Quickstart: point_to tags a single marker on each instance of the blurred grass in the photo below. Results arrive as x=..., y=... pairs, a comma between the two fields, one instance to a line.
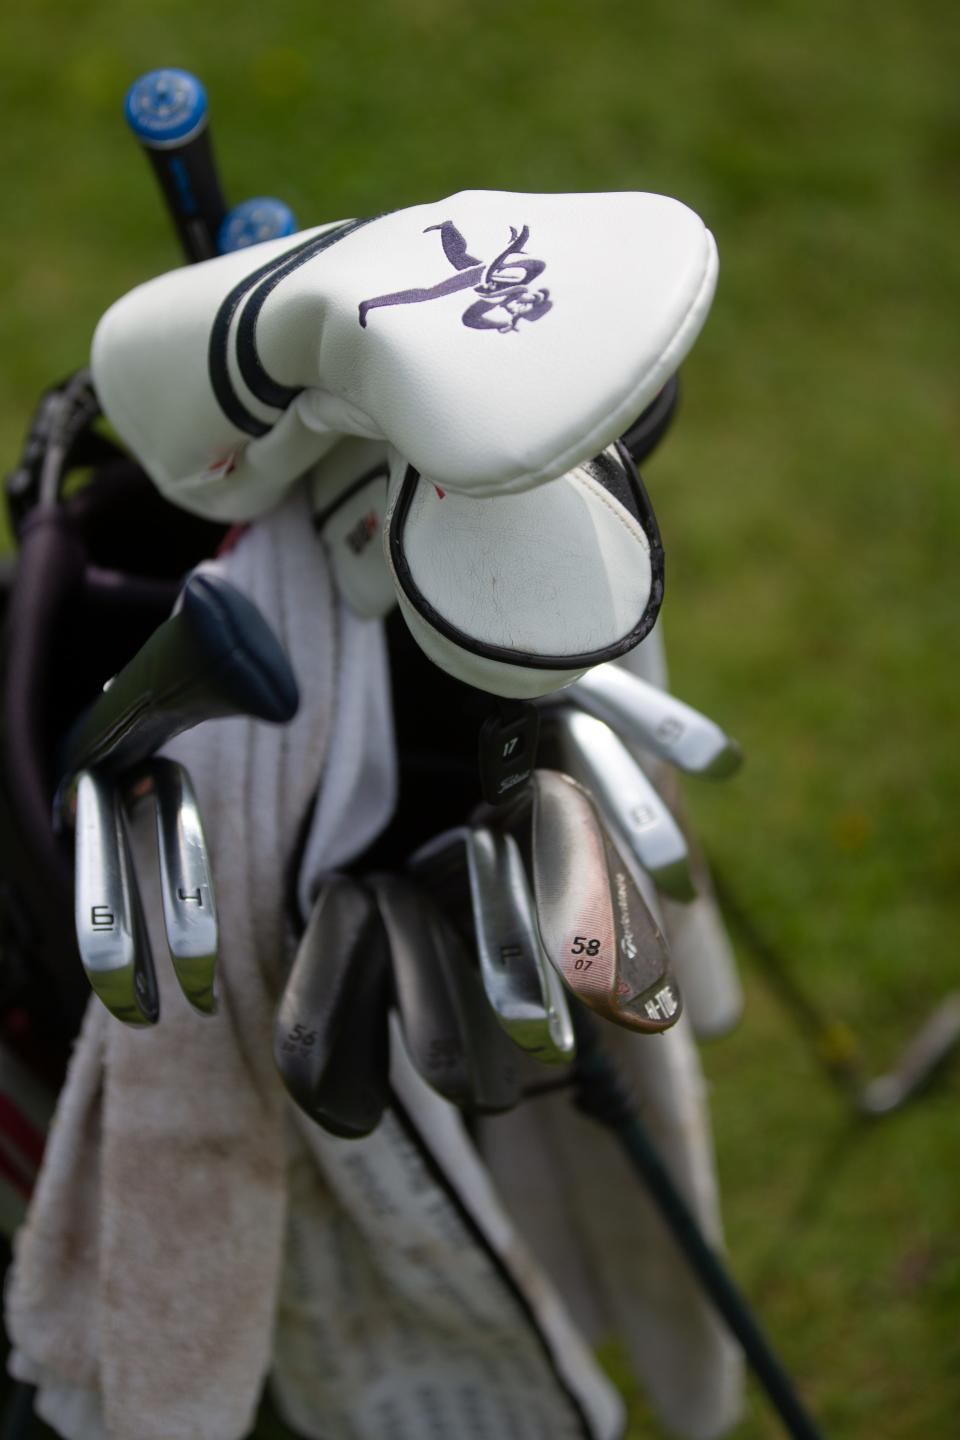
x=808, y=499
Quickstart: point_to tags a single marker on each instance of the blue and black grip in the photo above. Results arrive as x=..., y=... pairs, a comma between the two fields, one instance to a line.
x=167, y=112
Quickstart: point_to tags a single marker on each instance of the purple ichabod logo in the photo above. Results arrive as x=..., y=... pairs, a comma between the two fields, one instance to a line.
x=504, y=298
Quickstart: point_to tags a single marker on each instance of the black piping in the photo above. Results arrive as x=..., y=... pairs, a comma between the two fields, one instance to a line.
x=380, y=471
x=500, y=653
x=255, y=376
x=227, y=397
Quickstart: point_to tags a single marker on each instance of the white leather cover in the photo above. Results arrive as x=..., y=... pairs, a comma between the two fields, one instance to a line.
x=495, y=340
x=488, y=584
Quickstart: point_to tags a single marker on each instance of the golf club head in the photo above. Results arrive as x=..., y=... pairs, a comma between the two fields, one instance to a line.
x=477, y=876
x=450, y=1030
x=111, y=933
x=933, y=1044
x=656, y=721
x=596, y=928
x=186, y=885
x=587, y=748
x=215, y=656
x=330, y=1039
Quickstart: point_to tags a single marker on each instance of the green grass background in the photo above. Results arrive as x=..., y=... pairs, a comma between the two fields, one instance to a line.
x=809, y=500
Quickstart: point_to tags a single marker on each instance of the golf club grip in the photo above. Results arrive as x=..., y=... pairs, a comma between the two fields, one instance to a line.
x=167, y=112
x=216, y=656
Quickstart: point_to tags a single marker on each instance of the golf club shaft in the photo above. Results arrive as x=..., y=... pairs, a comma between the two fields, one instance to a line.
x=601, y=1093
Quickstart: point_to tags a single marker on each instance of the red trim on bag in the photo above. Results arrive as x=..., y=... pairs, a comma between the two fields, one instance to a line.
x=14, y=1123
x=13, y=1179
x=231, y=538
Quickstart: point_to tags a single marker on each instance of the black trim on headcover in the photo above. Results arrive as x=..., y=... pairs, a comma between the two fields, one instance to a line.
x=650, y=426
x=227, y=397
x=255, y=376
x=643, y=510
x=380, y=471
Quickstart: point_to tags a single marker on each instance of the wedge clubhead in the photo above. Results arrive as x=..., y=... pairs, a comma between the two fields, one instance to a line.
x=587, y=748
x=186, y=885
x=654, y=720
x=450, y=1030
x=330, y=1039
x=477, y=875
x=595, y=926
x=111, y=934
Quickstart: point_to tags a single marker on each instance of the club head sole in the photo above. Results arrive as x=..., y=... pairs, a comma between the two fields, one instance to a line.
x=331, y=1043
x=588, y=749
x=478, y=878
x=186, y=885
x=111, y=933
x=656, y=721
x=596, y=928
x=452, y=1035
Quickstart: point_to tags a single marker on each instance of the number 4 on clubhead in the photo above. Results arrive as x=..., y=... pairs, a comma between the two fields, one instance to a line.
x=186, y=885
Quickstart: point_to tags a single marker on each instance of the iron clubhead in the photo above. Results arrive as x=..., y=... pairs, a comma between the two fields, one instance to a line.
x=111, y=933
x=330, y=1039
x=477, y=875
x=587, y=748
x=656, y=721
x=595, y=926
x=450, y=1030
x=186, y=885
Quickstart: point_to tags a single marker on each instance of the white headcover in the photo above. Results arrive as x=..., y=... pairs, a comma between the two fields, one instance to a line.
x=495, y=340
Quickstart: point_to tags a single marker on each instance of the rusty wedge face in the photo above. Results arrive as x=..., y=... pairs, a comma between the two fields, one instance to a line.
x=596, y=928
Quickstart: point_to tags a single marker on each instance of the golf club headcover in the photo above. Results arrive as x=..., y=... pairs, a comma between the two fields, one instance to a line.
x=519, y=594
x=495, y=340
x=486, y=351
x=515, y=594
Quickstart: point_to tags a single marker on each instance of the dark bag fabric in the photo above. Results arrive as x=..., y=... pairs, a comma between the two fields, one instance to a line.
x=95, y=572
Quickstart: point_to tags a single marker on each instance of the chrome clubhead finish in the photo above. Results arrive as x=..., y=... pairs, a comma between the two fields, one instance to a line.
x=111, y=934
x=587, y=749
x=186, y=885
x=450, y=1031
x=330, y=1039
x=479, y=879
x=649, y=717
x=595, y=926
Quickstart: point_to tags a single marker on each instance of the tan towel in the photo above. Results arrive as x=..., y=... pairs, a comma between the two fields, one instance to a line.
x=146, y=1276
